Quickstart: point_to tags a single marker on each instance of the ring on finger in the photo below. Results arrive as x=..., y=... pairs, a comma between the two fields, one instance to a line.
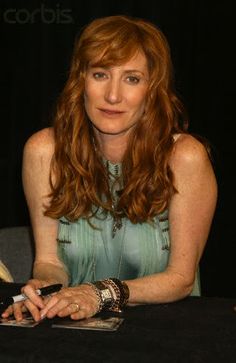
x=75, y=307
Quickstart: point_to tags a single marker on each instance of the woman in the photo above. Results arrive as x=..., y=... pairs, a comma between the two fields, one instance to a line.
x=121, y=197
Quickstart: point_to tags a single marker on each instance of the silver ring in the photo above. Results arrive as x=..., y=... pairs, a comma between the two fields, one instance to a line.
x=76, y=306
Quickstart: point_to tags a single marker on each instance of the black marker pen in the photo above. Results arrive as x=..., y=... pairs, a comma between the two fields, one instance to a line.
x=44, y=291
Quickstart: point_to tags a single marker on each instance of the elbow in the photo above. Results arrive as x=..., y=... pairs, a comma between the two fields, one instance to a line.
x=187, y=289
x=183, y=286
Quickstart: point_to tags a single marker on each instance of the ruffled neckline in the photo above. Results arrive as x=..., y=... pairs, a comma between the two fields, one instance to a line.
x=114, y=168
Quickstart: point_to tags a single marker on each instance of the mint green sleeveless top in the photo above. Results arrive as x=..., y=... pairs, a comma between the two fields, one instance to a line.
x=90, y=252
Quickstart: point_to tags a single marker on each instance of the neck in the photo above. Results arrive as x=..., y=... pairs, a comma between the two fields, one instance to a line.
x=113, y=147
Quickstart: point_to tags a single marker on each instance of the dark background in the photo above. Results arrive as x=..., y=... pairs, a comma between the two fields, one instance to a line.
x=36, y=44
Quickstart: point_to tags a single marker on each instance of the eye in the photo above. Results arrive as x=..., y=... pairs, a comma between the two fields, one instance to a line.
x=133, y=79
x=99, y=75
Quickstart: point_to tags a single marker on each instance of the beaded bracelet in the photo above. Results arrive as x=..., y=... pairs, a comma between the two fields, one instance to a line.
x=124, y=291
x=121, y=291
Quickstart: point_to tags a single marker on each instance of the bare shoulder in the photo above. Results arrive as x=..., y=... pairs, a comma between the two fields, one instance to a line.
x=40, y=144
x=188, y=152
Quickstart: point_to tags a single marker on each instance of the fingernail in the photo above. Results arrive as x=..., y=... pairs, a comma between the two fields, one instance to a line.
x=42, y=315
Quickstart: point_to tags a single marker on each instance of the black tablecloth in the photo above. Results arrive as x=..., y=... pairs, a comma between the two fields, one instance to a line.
x=193, y=330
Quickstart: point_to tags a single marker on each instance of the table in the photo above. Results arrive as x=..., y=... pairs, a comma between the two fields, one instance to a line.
x=194, y=330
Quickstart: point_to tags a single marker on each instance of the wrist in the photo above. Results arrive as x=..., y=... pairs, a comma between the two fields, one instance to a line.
x=112, y=294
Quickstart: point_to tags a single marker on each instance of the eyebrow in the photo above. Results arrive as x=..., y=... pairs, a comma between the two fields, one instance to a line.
x=133, y=71
x=126, y=71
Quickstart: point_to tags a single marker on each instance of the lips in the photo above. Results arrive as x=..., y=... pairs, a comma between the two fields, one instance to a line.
x=110, y=112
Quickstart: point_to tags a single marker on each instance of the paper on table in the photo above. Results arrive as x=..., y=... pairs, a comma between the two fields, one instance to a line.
x=96, y=323
x=26, y=322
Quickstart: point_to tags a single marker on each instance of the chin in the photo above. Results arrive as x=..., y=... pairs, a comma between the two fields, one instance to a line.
x=109, y=130
x=112, y=130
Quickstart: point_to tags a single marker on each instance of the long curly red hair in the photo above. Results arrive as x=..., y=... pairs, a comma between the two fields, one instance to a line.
x=80, y=182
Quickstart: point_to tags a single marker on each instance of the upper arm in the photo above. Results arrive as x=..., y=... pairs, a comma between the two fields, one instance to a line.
x=38, y=152
x=192, y=207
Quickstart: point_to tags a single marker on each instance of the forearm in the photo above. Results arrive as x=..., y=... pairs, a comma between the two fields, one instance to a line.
x=158, y=288
x=50, y=272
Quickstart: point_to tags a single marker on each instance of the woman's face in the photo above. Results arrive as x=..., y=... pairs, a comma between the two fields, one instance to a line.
x=115, y=96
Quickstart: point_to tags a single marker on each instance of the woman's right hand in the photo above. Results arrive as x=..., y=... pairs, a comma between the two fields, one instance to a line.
x=34, y=303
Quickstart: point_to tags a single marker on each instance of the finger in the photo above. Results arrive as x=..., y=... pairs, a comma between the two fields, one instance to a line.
x=81, y=314
x=72, y=308
x=31, y=294
x=7, y=312
x=17, y=311
x=33, y=309
x=84, y=312
x=53, y=306
x=46, y=299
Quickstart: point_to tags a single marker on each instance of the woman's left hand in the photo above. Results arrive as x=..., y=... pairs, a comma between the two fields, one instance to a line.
x=78, y=302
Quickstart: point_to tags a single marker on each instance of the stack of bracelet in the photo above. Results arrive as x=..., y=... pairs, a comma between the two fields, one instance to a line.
x=112, y=294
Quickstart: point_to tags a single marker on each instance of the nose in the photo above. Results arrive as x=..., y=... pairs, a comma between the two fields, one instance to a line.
x=113, y=92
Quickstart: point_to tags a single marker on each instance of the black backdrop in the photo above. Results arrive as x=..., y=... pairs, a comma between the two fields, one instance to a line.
x=36, y=43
